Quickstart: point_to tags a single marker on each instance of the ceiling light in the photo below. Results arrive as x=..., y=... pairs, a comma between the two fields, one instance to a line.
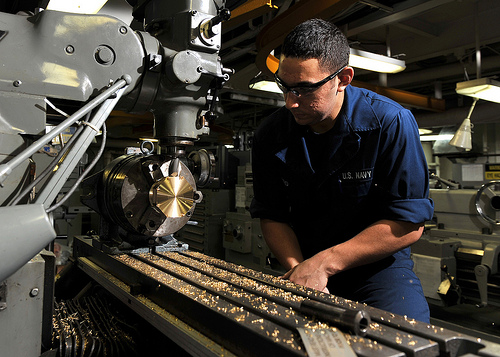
x=77, y=6
x=482, y=88
x=265, y=85
x=422, y=131
x=436, y=137
x=463, y=136
x=374, y=62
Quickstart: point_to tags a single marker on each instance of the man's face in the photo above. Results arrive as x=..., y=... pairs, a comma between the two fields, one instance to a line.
x=317, y=109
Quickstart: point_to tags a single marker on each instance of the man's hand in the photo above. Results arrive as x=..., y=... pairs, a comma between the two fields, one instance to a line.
x=310, y=273
x=376, y=242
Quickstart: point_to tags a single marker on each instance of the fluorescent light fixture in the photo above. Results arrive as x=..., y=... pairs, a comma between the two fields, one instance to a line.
x=422, y=131
x=436, y=137
x=77, y=6
x=482, y=88
x=374, y=62
x=268, y=86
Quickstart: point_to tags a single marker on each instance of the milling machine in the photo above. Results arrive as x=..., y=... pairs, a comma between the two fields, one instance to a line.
x=207, y=306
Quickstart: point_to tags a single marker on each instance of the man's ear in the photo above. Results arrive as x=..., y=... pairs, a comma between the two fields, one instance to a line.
x=345, y=78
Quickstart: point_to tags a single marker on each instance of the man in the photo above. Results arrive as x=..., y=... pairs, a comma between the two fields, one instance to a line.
x=340, y=179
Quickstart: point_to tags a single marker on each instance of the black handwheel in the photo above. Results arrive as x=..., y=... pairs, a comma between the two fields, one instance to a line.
x=492, y=191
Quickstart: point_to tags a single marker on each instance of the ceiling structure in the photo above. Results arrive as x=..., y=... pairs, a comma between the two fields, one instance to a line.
x=438, y=39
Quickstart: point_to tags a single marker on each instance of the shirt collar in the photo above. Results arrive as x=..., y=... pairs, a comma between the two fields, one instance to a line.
x=357, y=113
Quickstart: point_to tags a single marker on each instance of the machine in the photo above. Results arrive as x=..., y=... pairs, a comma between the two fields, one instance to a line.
x=73, y=70
x=457, y=259
x=101, y=64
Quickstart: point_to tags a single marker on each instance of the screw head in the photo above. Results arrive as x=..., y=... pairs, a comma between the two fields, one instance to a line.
x=34, y=292
x=17, y=83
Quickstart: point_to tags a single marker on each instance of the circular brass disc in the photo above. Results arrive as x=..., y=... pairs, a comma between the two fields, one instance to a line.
x=173, y=196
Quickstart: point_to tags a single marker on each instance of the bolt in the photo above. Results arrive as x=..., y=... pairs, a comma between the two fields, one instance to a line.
x=34, y=292
x=70, y=49
x=104, y=55
x=123, y=30
x=156, y=59
x=17, y=83
x=3, y=306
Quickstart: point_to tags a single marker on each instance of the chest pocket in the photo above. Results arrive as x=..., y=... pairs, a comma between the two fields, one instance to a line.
x=355, y=183
x=355, y=189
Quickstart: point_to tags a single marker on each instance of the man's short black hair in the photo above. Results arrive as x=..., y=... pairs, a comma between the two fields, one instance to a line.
x=318, y=39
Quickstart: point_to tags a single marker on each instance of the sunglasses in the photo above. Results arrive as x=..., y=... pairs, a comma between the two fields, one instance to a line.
x=305, y=89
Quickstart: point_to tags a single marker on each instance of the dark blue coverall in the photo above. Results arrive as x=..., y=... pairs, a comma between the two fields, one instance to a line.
x=329, y=187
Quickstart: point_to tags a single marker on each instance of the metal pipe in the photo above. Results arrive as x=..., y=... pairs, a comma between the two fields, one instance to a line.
x=476, y=33
x=7, y=168
x=54, y=185
x=356, y=321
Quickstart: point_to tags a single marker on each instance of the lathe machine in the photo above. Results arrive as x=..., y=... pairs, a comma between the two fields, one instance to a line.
x=457, y=259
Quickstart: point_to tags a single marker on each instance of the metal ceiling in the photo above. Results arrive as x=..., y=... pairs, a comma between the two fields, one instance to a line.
x=438, y=39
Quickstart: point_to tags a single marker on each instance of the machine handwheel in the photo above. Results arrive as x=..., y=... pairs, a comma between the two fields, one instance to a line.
x=492, y=192
x=204, y=167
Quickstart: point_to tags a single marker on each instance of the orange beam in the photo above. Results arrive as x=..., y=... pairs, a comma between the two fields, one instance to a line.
x=273, y=34
x=272, y=63
x=405, y=98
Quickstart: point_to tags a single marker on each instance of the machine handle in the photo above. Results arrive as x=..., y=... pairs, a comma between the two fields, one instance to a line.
x=357, y=321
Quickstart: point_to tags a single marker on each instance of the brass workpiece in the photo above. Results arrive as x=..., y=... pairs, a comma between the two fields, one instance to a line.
x=173, y=195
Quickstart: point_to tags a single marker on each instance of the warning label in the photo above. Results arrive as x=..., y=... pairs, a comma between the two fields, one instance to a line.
x=492, y=172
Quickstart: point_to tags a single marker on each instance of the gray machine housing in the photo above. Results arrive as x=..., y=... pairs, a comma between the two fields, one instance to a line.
x=457, y=257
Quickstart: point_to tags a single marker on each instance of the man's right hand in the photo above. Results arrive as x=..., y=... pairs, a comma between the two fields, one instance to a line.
x=310, y=273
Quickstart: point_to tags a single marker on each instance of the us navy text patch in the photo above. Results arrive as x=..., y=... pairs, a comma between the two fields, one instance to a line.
x=356, y=175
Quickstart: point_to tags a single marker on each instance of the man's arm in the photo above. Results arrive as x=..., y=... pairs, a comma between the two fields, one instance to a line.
x=282, y=241
x=376, y=242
